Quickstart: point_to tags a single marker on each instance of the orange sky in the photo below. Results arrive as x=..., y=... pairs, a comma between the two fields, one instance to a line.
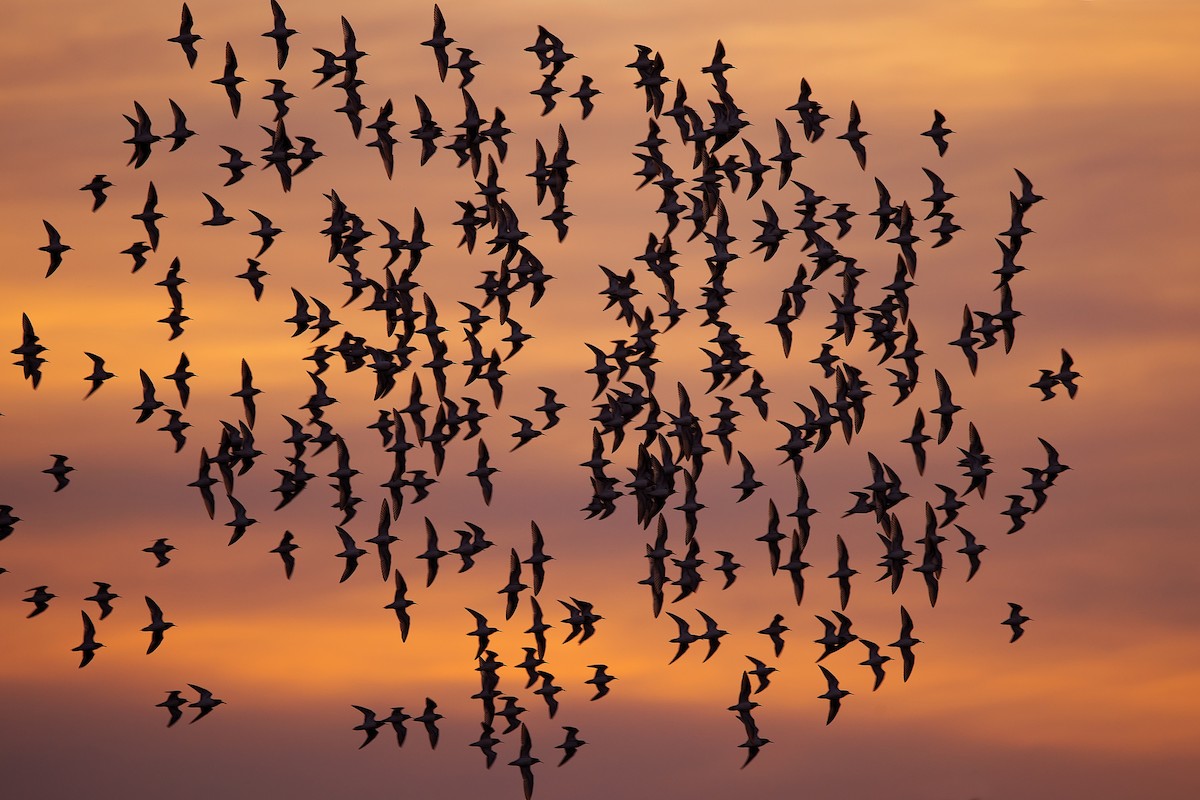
x=1090, y=99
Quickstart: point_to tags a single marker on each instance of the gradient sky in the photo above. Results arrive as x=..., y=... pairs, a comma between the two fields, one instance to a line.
x=1093, y=100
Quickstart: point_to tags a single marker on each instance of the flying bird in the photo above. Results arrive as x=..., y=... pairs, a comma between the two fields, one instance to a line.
x=351, y=552
x=600, y=680
x=206, y=702
x=938, y=132
x=875, y=661
x=97, y=186
x=429, y=718
x=99, y=374
x=854, y=135
x=570, y=746
x=833, y=693
x=400, y=605
x=280, y=33
x=585, y=94
x=55, y=248
x=285, y=548
x=160, y=550
x=906, y=642
x=186, y=39
x=1015, y=620
x=525, y=761
x=157, y=626
x=59, y=471
x=369, y=725
x=103, y=598
x=173, y=703
x=230, y=80
x=538, y=558
x=40, y=598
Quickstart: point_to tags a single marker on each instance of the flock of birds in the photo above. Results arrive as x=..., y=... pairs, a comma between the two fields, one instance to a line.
x=665, y=432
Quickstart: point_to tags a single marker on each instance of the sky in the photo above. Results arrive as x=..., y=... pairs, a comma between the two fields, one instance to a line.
x=1091, y=100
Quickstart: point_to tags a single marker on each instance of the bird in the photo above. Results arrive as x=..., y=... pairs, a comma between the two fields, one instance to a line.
x=684, y=639
x=946, y=408
x=570, y=746
x=59, y=471
x=160, y=550
x=938, y=132
x=1015, y=620
x=585, y=94
x=1028, y=198
x=138, y=251
x=526, y=433
x=383, y=539
x=748, y=483
x=439, y=42
x=854, y=135
x=1067, y=375
x=762, y=672
x=247, y=393
x=538, y=558
x=103, y=598
x=429, y=718
x=99, y=374
x=795, y=565
x=538, y=628
x=713, y=633
x=486, y=743
x=7, y=522
x=600, y=680
x=1045, y=384
x=253, y=275
x=157, y=626
x=280, y=33
x=88, y=647
x=40, y=598
x=240, y=522
x=143, y=137
x=173, y=703
x=482, y=632
x=728, y=567
x=432, y=553
x=350, y=551
x=844, y=572
x=206, y=702
x=525, y=761
x=906, y=642
x=775, y=632
x=369, y=725
x=833, y=694
x=236, y=165
x=512, y=590
x=55, y=248
x=230, y=80
x=149, y=403
x=181, y=133
x=186, y=39
x=285, y=548
x=219, y=217
x=149, y=217
x=180, y=377
x=1016, y=511
x=550, y=407
x=971, y=549
x=875, y=661
x=400, y=605
x=396, y=719
x=97, y=186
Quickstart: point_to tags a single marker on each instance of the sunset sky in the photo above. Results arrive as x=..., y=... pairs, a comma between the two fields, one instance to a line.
x=1094, y=100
